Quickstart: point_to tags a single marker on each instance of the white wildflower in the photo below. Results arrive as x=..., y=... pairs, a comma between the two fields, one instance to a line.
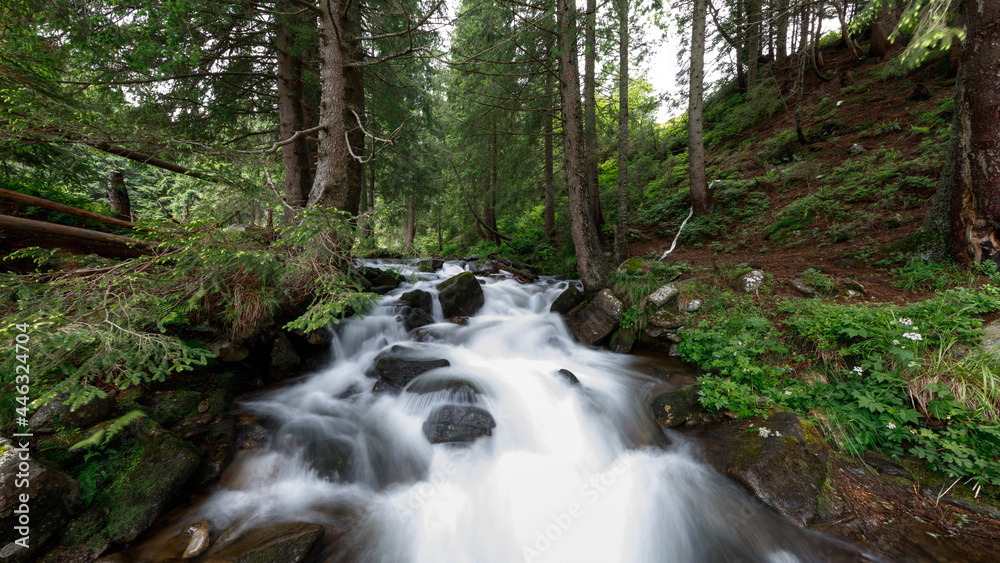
x=906, y=322
x=913, y=336
x=896, y=342
x=763, y=432
x=891, y=426
x=858, y=369
x=788, y=392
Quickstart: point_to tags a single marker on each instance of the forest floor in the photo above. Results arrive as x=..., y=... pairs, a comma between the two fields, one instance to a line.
x=875, y=223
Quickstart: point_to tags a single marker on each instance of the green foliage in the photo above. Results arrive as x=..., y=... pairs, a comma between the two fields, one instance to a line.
x=91, y=476
x=123, y=323
x=736, y=113
x=104, y=436
x=820, y=282
x=919, y=274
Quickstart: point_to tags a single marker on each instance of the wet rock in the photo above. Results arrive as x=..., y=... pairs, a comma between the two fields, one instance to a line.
x=284, y=542
x=284, y=360
x=674, y=407
x=57, y=414
x=750, y=282
x=668, y=319
x=460, y=388
x=417, y=318
x=229, y=352
x=201, y=539
x=430, y=265
x=470, y=258
x=418, y=299
x=331, y=457
x=663, y=295
x=396, y=373
x=856, y=149
x=458, y=423
x=802, y=287
x=594, y=321
x=782, y=460
x=623, y=339
x=51, y=497
x=382, y=289
x=567, y=300
x=387, y=278
x=569, y=376
x=170, y=407
x=461, y=295
x=193, y=426
x=216, y=445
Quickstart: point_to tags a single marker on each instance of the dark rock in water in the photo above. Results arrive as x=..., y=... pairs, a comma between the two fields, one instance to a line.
x=332, y=458
x=430, y=264
x=52, y=496
x=388, y=278
x=217, y=445
x=569, y=376
x=284, y=542
x=470, y=258
x=417, y=318
x=674, y=407
x=461, y=295
x=418, y=299
x=623, y=340
x=284, y=360
x=594, y=321
x=382, y=289
x=229, y=352
x=458, y=423
x=567, y=300
x=782, y=460
x=57, y=414
x=399, y=371
x=460, y=387
x=201, y=538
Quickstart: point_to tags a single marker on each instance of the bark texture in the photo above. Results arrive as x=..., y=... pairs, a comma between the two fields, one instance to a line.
x=701, y=199
x=591, y=265
x=621, y=225
x=118, y=198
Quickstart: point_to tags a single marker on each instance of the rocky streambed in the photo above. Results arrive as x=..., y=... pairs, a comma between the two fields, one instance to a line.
x=463, y=420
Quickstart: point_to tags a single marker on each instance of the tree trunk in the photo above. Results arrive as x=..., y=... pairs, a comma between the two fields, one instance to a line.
x=781, y=43
x=411, y=223
x=971, y=179
x=816, y=53
x=741, y=49
x=291, y=117
x=753, y=42
x=804, y=26
x=118, y=198
x=701, y=199
x=621, y=226
x=590, y=116
x=354, y=98
x=882, y=26
x=590, y=262
x=550, y=188
x=845, y=31
x=334, y=184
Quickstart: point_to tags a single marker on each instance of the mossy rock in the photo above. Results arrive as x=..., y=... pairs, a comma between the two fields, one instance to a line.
x=784, y=464
x=674, y=407
x=169, y=407
x=57, y=414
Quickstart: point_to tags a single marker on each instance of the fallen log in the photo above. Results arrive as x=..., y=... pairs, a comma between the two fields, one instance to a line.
x=53, y=206
x=41, y=227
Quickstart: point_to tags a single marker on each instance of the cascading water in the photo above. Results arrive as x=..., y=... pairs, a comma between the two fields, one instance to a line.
x=570, y=473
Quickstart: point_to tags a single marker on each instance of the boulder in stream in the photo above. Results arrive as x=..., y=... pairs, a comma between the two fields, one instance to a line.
x=395, y=373
x=458, y=423
x=593, y=322
x=417, y=318
x=282, y=542
x=674, y=407
x=461, y=296
x=568, y=300
x=781, y=459
x=418, y=299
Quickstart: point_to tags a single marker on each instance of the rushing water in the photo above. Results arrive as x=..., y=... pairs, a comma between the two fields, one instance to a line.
x=570, y=473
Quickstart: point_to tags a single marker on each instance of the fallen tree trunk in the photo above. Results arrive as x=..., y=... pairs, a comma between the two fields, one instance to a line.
x=52, y=229
x=53, y=206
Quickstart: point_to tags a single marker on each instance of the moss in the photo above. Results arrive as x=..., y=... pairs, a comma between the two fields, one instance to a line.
x=632, y=266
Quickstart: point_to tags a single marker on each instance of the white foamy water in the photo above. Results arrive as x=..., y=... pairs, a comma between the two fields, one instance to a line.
x=569, y=474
